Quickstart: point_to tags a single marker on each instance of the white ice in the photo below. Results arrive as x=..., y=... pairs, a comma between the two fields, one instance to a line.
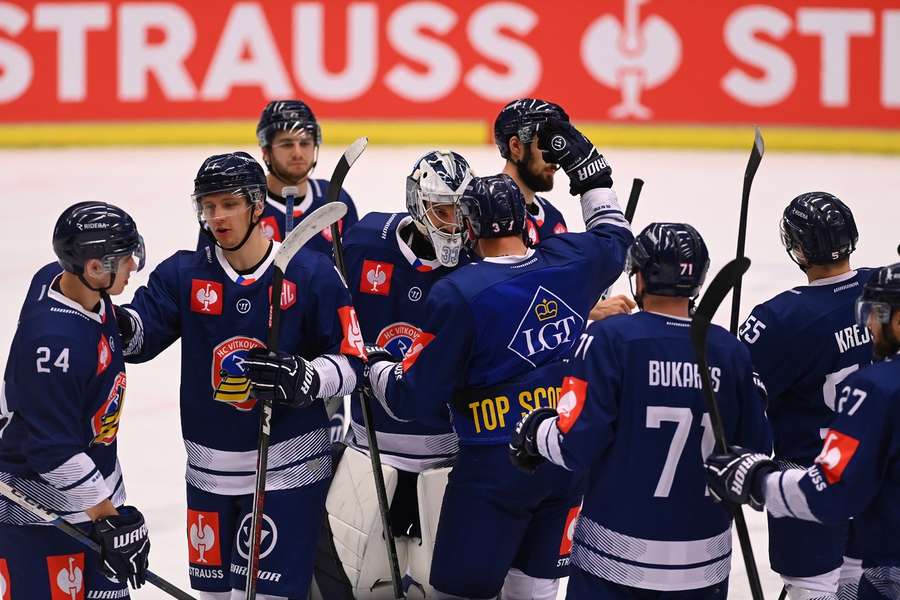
x=702, y=188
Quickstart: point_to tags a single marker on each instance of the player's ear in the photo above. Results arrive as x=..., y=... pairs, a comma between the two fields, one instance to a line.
x=516, y=149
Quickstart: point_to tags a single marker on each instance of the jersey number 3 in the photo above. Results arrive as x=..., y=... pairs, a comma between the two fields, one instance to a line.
x=682, y=417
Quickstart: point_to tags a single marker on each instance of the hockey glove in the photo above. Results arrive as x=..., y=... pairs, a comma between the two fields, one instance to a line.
x=738, y=476
x=523, y=450
x=130, y=330
x=282, y=377
x=374, y=354
x=124, y=545
x=564, y=145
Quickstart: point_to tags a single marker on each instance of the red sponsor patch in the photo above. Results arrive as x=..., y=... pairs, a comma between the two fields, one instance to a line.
x=288, y=294
x=375, y=278
x=352, y=344
x=326, y=233
x=419, y=343
x=565, y=546
x=105, y=423
x=270, y=228
x=203, y=538
x=206, y=297
x=559, y=228
x=571, y=401
x=5, y=591
x=836, y=454
x=66, y=575
x=104, y=354
x=533, y=235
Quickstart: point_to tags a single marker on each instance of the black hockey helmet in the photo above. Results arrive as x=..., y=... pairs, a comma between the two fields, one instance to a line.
x=880, y=295
x=492, y=207
x=519, y=117
x=287, y=115
x=672, y=259
x=89, y=230
x=820, y=226
x=236, y=173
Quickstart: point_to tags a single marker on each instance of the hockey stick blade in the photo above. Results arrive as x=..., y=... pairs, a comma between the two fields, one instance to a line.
x=756, y=154
x=709, y=304
x=335, y=185
x=51, y=518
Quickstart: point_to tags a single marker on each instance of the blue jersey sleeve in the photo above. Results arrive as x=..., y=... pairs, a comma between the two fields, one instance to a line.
x=423, y=386
x=588, y=404
x=159, y=316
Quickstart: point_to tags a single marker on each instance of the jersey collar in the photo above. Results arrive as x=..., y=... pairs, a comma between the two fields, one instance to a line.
x=99, y=316
x=419, y=264
x=509, y=260
x=540, y=215
x=672, y=317
x=252, y=277
x=836, y=279
x=313, y=191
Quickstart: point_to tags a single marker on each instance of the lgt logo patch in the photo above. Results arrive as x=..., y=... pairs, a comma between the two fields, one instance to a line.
x=206, y=297
x=203, y=538
x=836, y=454
x=105, y=423
x=66, y=574
x=549, y=325
x=376, y=278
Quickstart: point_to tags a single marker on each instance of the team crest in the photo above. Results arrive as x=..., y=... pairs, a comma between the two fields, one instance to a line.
x=66, y=574
x=549, y=326
x=105, y=424
x=229, y=380
x=269, y=226
x=397, y=338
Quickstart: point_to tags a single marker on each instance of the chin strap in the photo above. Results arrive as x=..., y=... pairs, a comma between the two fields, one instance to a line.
x=102, y=290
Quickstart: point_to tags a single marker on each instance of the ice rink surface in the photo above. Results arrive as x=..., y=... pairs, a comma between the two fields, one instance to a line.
x=154, y=185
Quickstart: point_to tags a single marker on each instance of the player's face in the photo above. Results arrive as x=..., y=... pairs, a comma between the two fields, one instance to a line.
x=126, y=266
x=443, y=216
x=227, y=215
x=292, y=155
x=533, y=170
x=885, y=336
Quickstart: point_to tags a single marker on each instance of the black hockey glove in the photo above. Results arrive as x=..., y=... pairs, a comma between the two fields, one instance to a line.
x=374, y=354
x=738, y=476
x=124, y=545
x=523, y=450
x=564, y=145
x=282, y=377
x=129, y=330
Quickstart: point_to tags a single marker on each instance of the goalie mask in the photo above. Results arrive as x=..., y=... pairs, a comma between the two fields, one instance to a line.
x=433, y=189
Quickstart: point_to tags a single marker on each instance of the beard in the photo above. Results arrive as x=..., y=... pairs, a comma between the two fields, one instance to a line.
x=537, y=183
x=886, y=344
x=288, y=177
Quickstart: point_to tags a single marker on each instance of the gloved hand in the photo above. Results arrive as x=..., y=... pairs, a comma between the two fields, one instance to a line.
x=564, y=145
x=124, y=545
x=374, y=355
x=282, y=377
x=130, y=330
x=523, y=451
x=736, y=475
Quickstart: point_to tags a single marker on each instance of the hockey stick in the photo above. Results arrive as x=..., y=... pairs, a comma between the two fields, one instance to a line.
x=289, y=193
x=756, y=154
x=709, y=304
x=51, y=518
x=334, y=188
x=307, y=229
x=636, y=186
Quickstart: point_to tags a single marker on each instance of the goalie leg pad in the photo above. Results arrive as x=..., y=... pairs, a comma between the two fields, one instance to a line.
x=355, y=521
x=430, y=490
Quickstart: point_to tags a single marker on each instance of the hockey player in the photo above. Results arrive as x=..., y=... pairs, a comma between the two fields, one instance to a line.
x=289, y=137
x=803, y=343
x=632, y=414
x=495, y=334
x=514, y=135
x=62, y=399
x=217, y=301
x=857, y=473
x=393, y=260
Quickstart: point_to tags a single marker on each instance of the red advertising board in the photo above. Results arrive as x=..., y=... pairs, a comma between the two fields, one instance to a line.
x=808, y=63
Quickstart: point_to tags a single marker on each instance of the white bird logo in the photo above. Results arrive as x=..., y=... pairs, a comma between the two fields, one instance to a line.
x=632, y=57
x=567, y=403
x=376, y=277
x=202, y=538
x=207, y=296
x=69, y=580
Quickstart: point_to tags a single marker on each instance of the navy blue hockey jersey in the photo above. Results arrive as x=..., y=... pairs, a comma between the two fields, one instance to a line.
x=632, y=412
x=389, y=284
x=219, y=316
x=272, y=220
x=496, y=330
x=857, y=472
x=63, y=393
x=804, y=342
x=544, y=220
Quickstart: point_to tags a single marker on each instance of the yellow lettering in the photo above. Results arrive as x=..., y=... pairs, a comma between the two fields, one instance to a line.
x=489, y=414
x=539, y=394
x=525, y=400
x=474, y=407
x=553, y=396
x=502, y=409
